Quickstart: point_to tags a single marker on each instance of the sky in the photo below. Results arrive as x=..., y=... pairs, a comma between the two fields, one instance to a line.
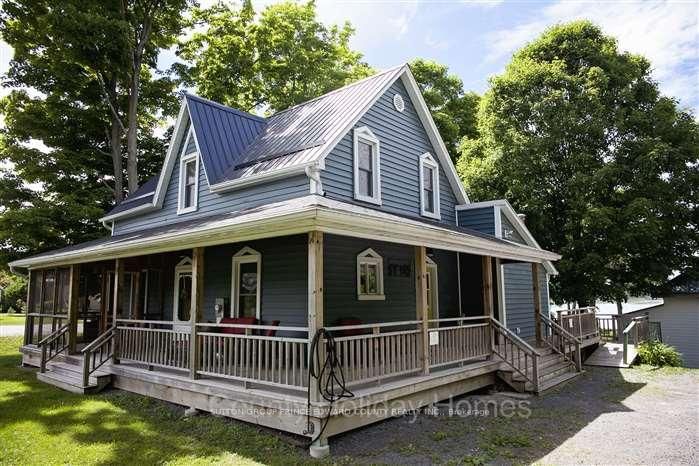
x=476, y=38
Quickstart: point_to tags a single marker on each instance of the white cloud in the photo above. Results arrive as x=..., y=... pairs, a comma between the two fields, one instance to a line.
x=667, y=33
x=485, y=3
x=437, y=44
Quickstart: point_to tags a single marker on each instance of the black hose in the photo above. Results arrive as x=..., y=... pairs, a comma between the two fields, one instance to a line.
x=331, y=379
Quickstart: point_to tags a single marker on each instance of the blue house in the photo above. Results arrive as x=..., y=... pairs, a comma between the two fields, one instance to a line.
x=344, y=213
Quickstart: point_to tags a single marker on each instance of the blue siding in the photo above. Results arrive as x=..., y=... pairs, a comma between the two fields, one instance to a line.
x=447, y=276
x=403, y=140
x=480, y=219
x=519, y=300
x=509, y=231
x=212, y=203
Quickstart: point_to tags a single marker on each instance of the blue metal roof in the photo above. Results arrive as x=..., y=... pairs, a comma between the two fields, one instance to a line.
x=223, y=134
x=143, y=195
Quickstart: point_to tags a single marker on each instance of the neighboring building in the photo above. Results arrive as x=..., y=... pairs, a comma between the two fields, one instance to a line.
x=678, y=318
x=344, y=213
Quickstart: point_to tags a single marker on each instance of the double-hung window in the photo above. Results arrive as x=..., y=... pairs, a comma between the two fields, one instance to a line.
x=367, y=167
x=370, y=276
x=189, y=180
x=246, y=284
x=429, y=186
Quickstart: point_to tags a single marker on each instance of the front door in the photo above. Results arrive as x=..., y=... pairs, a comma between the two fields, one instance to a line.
x=432, y=292
x=182, y=302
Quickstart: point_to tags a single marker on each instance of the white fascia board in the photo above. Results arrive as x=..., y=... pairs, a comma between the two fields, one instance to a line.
x=143, y=208
x=433, y=133
x=171, y=156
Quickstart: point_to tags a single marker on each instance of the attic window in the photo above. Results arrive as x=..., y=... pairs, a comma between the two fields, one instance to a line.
x=367, y=167
x=189, y=180
x=429, y=186
x=398, y=102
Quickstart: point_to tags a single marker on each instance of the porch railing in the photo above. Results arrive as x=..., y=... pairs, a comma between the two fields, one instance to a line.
x=580, y=322
x=459, y=340
x=97, y=353
x=250, y=354
x=517, y=353
x=608, y=325
x=38, y=326
x=373, y=352
x=152, y=342
x=562, y=341
x=635, y=333
x=53, y=345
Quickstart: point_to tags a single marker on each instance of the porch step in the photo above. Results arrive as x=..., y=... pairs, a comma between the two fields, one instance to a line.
x=558, y=381
x=68, y=377
x=553, y=370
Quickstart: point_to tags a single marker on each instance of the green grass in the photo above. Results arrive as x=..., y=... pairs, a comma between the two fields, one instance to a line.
x=40, y=424
x=11, y=319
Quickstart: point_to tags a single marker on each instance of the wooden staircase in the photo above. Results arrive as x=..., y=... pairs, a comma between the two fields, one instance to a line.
x=554, y=370
x=68, y=375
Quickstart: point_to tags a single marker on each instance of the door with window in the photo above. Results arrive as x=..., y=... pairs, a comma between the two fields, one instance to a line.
x=182, y=302
x=245, y=290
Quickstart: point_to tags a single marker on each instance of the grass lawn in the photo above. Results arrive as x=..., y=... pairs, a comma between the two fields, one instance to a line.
x=11, y=319
x=40, y=424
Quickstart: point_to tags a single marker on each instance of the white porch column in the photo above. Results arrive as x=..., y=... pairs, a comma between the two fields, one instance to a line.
x=196, y=310
x=421, y=305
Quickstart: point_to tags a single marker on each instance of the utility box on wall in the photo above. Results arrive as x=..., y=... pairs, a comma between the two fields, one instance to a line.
x=221, y=308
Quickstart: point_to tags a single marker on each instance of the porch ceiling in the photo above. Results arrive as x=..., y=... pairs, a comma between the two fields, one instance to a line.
x=295, y=216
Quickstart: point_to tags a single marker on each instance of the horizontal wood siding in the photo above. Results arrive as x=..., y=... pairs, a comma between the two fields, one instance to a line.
x=402, y=141
x=284, y=278
x=340, y=282
x=679, y=322
x=211, y=203
x=480, y=219
x=447, y=275
x=519, y=300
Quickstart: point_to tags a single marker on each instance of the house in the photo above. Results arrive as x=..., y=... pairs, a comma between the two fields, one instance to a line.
x=343, y=213
x=677, y=318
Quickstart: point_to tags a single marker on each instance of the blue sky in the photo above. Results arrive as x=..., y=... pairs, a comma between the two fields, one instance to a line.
x=476, y=38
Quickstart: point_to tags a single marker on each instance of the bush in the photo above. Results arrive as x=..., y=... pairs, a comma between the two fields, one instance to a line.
x=659, y=354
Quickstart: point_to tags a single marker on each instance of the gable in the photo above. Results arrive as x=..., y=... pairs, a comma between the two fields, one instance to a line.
x=403, y=140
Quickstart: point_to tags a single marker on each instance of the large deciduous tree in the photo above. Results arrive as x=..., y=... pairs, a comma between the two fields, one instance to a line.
x=84, y=86
x=283, y=57
x=454, y=111
x=578, y=137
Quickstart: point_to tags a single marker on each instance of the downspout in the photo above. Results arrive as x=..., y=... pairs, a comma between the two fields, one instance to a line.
x=313, y=174
x=110, y=228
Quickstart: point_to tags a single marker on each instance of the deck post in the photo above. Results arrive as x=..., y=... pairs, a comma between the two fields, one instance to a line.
x=116, y=304
x=487, y=272
x=422, y=306
x=73, y=297
x=28, y=322
x=537, y=302
x=196, y=310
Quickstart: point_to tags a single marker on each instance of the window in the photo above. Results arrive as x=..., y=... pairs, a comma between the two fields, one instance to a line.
x=367, y=171
x=189, y=180
x=429, y=186
x=183, y=291
x=245, y=286
x=370, y=276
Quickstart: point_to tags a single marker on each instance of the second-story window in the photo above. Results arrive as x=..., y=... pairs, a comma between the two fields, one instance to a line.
x=429, y=186
x=189, y=181
x=367, y=174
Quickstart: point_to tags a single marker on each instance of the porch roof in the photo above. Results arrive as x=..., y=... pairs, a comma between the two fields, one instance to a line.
x=289, y=217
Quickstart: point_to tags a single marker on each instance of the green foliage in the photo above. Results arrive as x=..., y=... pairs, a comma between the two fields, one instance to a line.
x=70, y=59
x=659, y=354
x=14, y=292
x=577, y=136
x=284, y=57
x=454, y=111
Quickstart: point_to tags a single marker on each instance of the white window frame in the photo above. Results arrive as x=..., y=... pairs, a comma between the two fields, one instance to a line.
x=371, y=257
x=246, y=255
x=184, y=160
x=426, y=160
x=365, y=135
x=183, y=267
x=434, y=286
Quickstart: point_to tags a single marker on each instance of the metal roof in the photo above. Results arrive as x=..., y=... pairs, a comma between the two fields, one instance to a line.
x=143, y=195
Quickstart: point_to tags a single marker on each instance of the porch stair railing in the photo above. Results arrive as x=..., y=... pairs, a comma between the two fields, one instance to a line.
x=53, y=345
x=517, y=353
x=561, y=341
x=637, y=332
x=97, y=353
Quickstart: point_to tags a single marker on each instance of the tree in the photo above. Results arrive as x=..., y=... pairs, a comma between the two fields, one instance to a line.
x=577, y=136
x=66, y=114
x=454, y=111
x=284, y=58
x=13, y=292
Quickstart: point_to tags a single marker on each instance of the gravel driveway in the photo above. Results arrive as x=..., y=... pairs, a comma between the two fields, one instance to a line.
x=607, y=416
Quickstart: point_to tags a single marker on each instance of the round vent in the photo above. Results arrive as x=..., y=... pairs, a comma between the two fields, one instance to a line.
x=398, y=102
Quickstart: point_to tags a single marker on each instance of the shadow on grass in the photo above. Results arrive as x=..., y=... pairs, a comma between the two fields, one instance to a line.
x=46, y=425
x=500, y=436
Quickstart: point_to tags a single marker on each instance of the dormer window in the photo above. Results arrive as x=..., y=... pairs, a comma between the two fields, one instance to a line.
x=367, y=168
x=429, y=186
x=189, y=180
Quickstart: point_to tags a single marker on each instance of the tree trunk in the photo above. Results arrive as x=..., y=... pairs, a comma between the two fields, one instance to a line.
x=115, y=142
x=619, y=307
x=132, y=132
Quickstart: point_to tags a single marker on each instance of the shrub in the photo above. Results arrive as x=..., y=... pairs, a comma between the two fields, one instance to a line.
x=659, y=354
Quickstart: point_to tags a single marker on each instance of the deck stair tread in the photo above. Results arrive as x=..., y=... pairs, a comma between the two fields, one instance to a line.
x=554, y=369
x=68, y=376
